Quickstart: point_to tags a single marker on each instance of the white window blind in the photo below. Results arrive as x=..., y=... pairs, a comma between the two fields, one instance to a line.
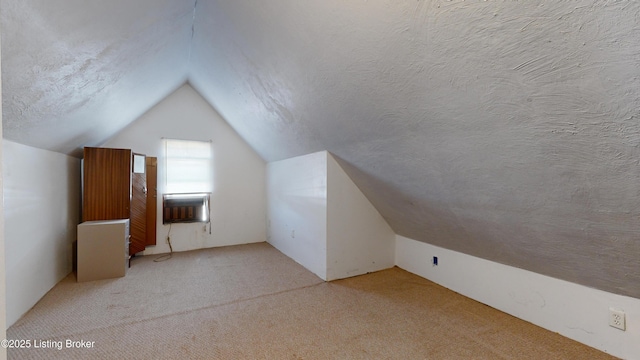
x=189, y=166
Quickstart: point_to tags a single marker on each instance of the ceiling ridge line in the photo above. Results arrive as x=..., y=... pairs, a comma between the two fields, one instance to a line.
x=193, y=30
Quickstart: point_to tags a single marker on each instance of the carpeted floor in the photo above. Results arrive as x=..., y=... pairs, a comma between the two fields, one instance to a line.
x=252, y=302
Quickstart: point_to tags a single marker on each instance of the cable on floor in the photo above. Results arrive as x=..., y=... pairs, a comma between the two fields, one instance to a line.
x=168, y=256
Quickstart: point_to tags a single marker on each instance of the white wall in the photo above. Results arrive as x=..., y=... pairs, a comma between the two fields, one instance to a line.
x=297, y=209
x=41, y=211
x=359, y=240
x=575, y=311
x=238, y=202
x=318, y=217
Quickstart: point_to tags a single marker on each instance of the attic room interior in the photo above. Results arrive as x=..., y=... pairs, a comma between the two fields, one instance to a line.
x=489, y=147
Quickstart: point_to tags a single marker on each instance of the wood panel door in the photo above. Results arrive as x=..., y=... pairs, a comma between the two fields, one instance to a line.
x=152, y=199
x=107, y=184
x=138, y=215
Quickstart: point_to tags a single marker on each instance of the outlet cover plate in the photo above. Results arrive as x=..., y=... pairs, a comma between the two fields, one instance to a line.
x=617, y=319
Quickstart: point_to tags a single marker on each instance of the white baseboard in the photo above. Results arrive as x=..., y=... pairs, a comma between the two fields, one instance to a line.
x=575, y=311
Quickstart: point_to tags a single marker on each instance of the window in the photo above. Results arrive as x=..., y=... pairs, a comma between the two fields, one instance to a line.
x=189, y=166
x=188, y=180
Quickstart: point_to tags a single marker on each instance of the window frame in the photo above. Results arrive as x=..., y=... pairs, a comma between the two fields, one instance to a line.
x=188, y=201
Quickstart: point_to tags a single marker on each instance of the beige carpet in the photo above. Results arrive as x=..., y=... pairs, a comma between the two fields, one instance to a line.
x=252, y=302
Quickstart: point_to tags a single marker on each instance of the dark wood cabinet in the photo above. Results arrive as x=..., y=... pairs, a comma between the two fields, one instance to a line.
x=114, y=187
x=152, y=199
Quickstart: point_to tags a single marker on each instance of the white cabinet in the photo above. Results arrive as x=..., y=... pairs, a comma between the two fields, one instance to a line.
x=103, y=249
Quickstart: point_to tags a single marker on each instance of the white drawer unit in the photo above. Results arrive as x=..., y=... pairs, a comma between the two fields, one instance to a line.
x=103, y=249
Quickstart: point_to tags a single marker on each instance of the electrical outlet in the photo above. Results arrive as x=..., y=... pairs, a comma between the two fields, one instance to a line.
x=617, y=319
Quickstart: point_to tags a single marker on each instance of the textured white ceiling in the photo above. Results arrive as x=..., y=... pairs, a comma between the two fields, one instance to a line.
x=503, y=129
x=75, y=72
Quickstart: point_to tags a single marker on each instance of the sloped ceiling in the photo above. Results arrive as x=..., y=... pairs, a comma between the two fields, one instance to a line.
x=505, y=130
x=75, y=72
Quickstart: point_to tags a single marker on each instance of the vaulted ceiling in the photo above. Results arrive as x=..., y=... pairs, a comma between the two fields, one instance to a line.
x=505, y=130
